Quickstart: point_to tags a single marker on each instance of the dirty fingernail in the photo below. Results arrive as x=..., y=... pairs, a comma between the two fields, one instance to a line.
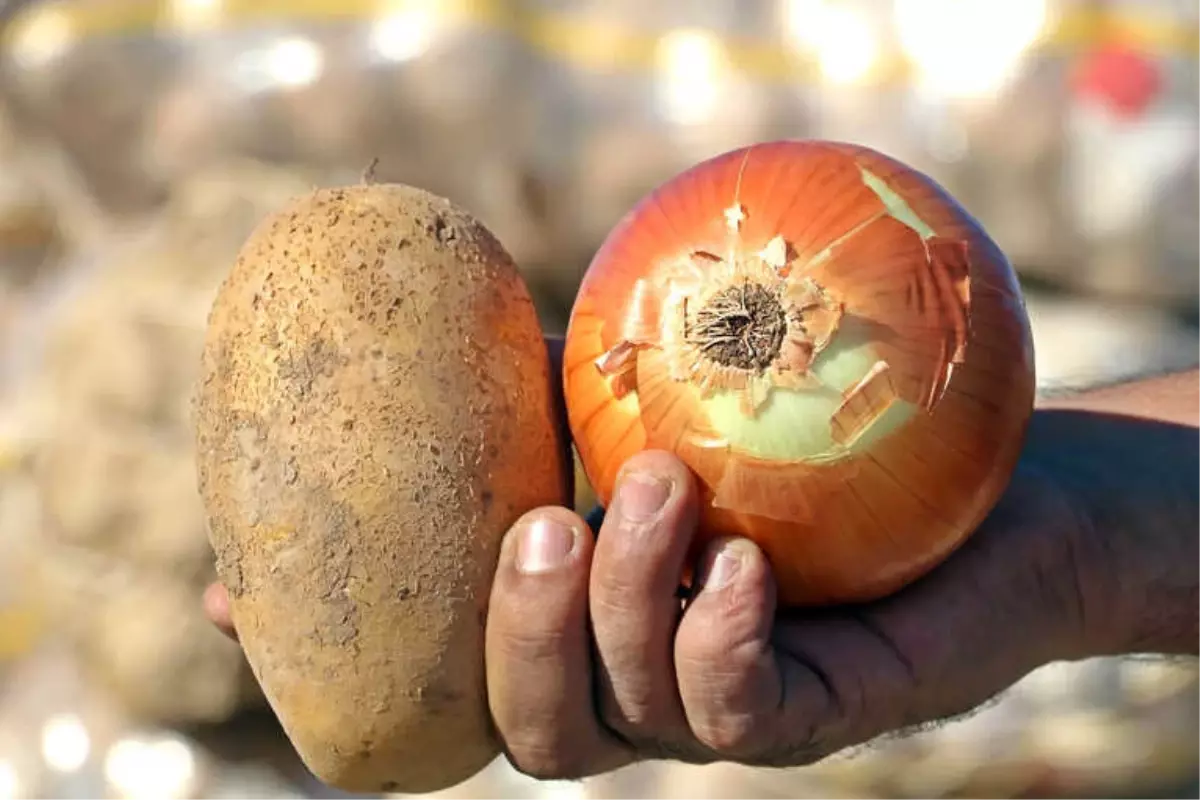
x=544, y=544
x=640, y=496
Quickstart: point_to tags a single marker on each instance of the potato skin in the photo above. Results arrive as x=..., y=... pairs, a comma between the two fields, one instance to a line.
x=375, y=410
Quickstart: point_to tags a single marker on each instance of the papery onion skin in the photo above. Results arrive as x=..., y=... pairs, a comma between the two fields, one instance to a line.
x=836, y=266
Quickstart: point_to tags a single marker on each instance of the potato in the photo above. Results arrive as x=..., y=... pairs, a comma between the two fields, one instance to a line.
x=375, y=410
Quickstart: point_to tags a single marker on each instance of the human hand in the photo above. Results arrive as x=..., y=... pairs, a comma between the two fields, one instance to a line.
x=722, y=676
x=593, y=662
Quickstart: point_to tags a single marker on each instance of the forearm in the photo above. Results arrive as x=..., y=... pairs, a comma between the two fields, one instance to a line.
x=1171, y=398
x=1130, y=454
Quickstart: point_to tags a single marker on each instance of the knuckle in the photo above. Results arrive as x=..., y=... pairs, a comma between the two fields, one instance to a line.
x=650, y=725
x=614, y=588
x=746, y=739
x=736, y=736
x=634, y=716
x=546, y=761
x=640, y=721
x=719, y=667
x=529, y=646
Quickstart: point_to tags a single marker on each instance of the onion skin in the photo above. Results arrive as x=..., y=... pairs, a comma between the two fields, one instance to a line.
x=861, y=442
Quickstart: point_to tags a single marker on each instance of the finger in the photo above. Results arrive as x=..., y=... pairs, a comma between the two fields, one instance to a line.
x=641, y=551
x=216, y=608
x=729, y=679
x=539, y=667
x=763, y=690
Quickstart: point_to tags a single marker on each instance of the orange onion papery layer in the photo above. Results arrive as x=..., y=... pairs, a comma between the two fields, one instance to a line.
x=831, y=343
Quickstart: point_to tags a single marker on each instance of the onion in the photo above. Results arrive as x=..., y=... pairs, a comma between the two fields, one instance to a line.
x=829, y=341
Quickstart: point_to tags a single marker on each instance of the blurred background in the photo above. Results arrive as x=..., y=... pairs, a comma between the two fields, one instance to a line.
x=140, y=141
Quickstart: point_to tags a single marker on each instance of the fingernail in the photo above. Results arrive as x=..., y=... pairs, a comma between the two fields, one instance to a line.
x=545, y=544
x=640, y=496
x=724, y=568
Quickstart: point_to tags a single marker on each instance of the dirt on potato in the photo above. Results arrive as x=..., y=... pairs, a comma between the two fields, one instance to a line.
x=375, y=411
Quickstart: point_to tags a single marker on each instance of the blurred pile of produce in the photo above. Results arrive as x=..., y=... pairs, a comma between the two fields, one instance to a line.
x=141, y=139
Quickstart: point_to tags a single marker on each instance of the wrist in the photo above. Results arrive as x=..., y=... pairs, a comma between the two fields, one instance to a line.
x=1130, y=485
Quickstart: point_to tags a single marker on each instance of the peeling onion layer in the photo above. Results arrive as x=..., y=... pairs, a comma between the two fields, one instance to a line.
x=832, y=344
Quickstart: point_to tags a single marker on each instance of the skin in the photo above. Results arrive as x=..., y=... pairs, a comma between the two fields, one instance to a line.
x=1092, y=551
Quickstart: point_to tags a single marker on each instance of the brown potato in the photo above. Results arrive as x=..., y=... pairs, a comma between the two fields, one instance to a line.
x=375, y=410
